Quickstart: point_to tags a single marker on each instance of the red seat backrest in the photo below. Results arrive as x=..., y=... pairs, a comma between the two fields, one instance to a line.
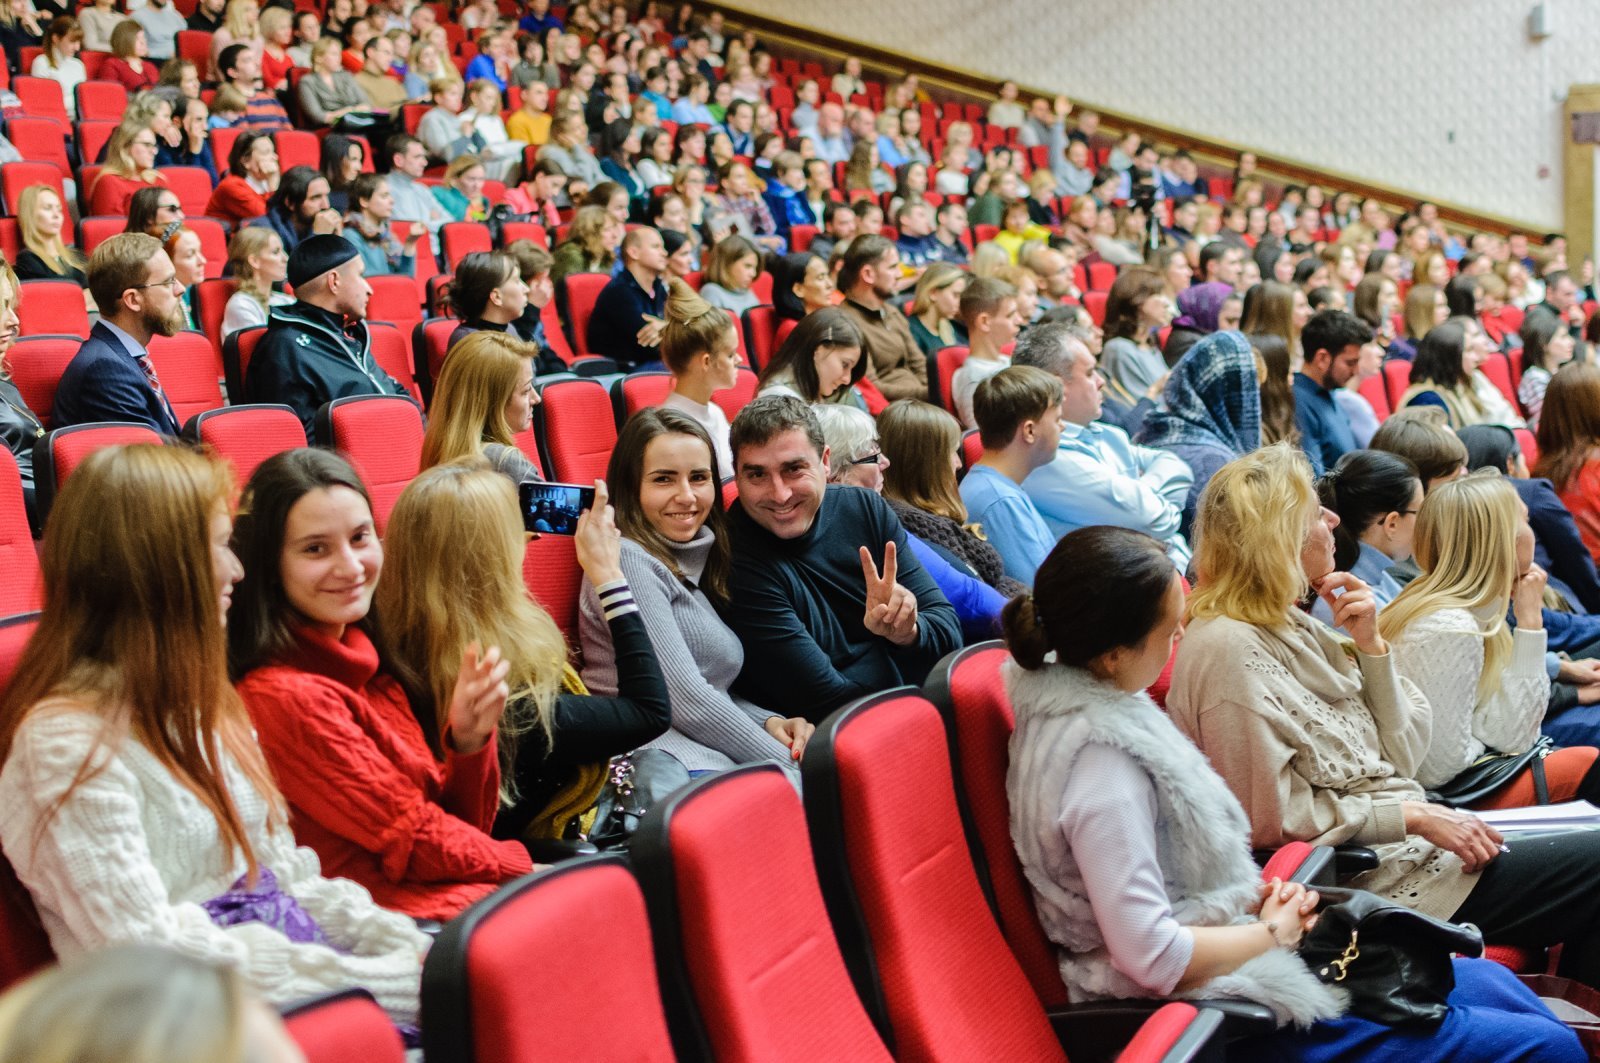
x=20, y=589
x=16, y=176
x=431, y=339
x=190, y=372
x=1397, y=377
x=246, y=436
x=1529, y=444
x=583, y=289
x=297, y=147
x=42, y=98
x=40, y=140
x=98, y=228
x=381, y=435
x=1102, y=275
x=946, y=361
x=800, y=236
x=210, y=305
x=971, y=449
x=195, y=46
x=733, y=897
x=553, y=577
x=1498, y=370
x=65, y=449
x=918, y=915
x=391, y=349
x=579, y=430
x=236, y=350
x=475, y=1006
x=92, y=137
x=11, y=238
x=736, y=398
x=968, y=689
x=395, y=299
x=760, y=328
x=191, y=185
x=102, y=101
x=512, y=231
x=36, y=364
x=52, y=308
x=427, y=267
x=24, y=945
x=344, y=1026
x=1376, y=393
x=555, y=332
x=461, y=238
x=1515, y=358
x=638, y=391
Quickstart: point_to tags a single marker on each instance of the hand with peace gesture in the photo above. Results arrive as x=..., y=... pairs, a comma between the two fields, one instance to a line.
x=891, y=609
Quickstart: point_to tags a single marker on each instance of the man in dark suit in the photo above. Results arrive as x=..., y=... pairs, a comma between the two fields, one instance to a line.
x=111, y=378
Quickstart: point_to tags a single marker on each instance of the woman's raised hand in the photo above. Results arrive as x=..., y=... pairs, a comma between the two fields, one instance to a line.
x=598, y=542
x=479, y=699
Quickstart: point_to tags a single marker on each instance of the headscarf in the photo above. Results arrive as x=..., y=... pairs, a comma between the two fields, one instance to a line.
x=1212, y=398
x=1199, y=305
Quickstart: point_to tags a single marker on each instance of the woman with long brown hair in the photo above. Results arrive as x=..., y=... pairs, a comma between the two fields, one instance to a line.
x=1136, y=308
x=1569, y=446
x=1277, y=388
x=137, y=806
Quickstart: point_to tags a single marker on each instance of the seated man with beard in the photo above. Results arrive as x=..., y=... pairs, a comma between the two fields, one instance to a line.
x=111, y=378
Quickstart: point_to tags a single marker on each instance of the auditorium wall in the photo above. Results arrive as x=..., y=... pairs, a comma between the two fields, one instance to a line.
x=1454, y=98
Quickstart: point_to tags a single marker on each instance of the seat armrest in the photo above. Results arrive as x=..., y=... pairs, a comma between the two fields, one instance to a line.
x=1351, y=860
x=1178, y=1033
x=1098, y=1030
x=555, y=850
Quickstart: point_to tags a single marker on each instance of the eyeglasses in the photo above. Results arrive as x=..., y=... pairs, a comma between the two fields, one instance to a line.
x=871, y=459
x=170, y=282
x=173, y=208
x=144, y=143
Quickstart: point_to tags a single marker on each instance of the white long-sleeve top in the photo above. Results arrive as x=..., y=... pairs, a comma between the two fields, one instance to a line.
x=1442, y=653
x=130, y=856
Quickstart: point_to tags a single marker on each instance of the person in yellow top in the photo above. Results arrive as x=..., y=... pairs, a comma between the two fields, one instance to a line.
x=1016, y=228
x=531, y=122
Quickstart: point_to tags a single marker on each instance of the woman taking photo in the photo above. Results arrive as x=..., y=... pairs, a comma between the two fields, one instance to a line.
x=258, y=263
x=138, y=806
x=1136, y=308
x=936, y=307
x=1320, y=742
x=458, y=527
x=1487, y=684
x=483, y=400
x=675, y=557
x=700, y=348
x=822, y=361
x=1098, y=769
x=922, y=445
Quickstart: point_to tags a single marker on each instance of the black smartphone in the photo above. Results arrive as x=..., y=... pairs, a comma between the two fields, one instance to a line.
x=553, y=508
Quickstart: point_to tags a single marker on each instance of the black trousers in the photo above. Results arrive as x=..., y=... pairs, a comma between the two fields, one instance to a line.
x=1544, y=892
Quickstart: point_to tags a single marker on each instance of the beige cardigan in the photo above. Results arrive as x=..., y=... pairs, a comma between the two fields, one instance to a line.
x=1320, y=743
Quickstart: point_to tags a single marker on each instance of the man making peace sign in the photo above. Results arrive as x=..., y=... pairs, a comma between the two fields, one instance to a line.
x=828, y=603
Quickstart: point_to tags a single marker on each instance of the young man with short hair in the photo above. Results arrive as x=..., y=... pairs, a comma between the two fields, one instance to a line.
x=870, y=278
x=989, y=311
x=1332, y=342
x=1019, y=422
x=950, y=226
x=630, y=313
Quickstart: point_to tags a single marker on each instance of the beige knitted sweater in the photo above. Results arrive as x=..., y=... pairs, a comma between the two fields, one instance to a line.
x=1320, y=743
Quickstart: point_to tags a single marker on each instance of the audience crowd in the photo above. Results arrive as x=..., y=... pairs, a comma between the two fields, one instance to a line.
x=1286, y=506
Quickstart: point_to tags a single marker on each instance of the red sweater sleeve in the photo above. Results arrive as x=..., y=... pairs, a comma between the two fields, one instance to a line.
x=331, y=770
x=235, y=200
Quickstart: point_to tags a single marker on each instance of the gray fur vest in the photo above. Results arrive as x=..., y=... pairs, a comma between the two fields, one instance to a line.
x=1202, y=840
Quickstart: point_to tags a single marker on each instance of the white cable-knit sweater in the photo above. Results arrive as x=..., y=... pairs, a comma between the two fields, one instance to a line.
x=130, y=856
x=1442, y=653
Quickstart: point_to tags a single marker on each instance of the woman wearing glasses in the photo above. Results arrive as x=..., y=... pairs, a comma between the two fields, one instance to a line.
x=130, y=166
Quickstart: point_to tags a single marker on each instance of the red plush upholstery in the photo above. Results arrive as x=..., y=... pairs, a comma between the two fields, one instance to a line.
x=36, y=364
x=736, y=398
x=946, y=361
x=1498, y=369
x=210, y=305
x=476, y=1003
x=20, y=589
x=458, y=239
x=971, y=449
x=968, y=689
x=344, y=1027
x=760, y=335
x=236, y=351
x=579, y=430
x=638, y=391
x=65, y=448
x=192, y=185
x=1529, y=444
x=430, y=342
x=881, y=804
x=190, y=372
x=553, y=577
x=52, y=308
x=391, y=349
x=739, y=921
x=382, y=437
x=581, y=291
x=1396, y=377
x=1376, y=392
x=1095, y=303
x=246, y=436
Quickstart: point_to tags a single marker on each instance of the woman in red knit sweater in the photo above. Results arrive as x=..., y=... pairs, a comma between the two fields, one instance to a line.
x=337, y=726
x=130, y=64
x=252, y=177
x=130, y=166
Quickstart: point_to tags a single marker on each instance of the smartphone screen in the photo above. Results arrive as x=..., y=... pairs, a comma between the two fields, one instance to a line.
x=553, y=509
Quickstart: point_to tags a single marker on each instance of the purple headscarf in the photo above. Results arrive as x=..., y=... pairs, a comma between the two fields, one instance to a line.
x=1200, y=304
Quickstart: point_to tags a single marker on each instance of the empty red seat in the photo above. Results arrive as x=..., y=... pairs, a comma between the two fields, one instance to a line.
x=40, y=140
x=343, y=1027
x=381, y=435
x=430, y=340
x=579, y=293
x=98, y=228
x=297, y=147
x=190, y=372
x=246, y=436
x=15, y=176
x=740, y=927
x=512, y=231
x=92, y=138
x=391, y=349
x=36, y=364
x=236, y=351
x=1095, y=303
x=101, y=101
x=1102, y=275
x=41, y=98
x=20, y=589
x=458, y=239
x=579, y=430
x=65, y=448
x=52, y=308
x=210, y=305
x=1377, y=395
x=475, y=1003
x=395, y=299
x=946, y=361
x=191, y=185
x=638, y=391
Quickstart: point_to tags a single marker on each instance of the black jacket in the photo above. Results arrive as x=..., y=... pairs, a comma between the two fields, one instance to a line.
x=309, y=357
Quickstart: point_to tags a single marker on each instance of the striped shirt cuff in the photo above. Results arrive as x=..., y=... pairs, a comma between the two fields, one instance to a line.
x=616, y=599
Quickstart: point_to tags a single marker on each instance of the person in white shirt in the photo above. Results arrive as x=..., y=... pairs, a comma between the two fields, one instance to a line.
x=501, y=155
x=700, y=348
x=58, y=60
x=989, y=311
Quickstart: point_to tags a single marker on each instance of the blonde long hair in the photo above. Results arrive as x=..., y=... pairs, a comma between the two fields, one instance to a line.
x=251, y=240
x=54, y=252
x=1249, y=529
x=469, y=405
x=453, y=555
x=1466, y=546
x=127, y=542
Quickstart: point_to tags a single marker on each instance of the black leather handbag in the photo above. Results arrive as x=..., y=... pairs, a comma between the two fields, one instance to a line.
x=635, y=783
x=1492, y=771
x=1393, y=962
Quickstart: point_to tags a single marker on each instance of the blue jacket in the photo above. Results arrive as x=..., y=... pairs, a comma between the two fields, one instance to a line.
x=788, y=207
x=977, y=604
x=1557, y=546
x=104, y=382
x=1325, y=433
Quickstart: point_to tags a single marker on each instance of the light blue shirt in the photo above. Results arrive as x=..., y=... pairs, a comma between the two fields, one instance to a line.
x=688, y=112
x=1099, y=476
x=1009, y=521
